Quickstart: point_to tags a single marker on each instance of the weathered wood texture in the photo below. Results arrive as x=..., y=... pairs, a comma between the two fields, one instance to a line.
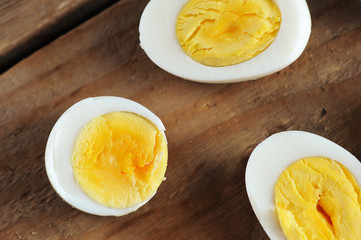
x=27, y=25
x=211, y=129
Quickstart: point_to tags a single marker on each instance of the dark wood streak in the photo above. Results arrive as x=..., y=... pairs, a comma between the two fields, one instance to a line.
x=28, y=25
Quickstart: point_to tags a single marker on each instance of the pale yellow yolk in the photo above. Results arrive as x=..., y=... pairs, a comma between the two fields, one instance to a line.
x=227, y=32
x=318, y=198
x=119, y=159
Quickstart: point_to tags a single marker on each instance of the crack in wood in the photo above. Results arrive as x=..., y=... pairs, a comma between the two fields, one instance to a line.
x=24, y=38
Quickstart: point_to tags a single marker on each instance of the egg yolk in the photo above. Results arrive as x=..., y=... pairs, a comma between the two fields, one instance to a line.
x=119, y=159
x=318, y=198
x=227, y=32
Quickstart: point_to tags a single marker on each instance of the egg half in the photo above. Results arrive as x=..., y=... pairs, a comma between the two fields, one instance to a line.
x=60, y=146
x=158, y=39
x=272, y=156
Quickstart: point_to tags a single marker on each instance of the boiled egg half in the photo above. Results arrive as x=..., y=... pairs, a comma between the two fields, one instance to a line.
x=106, y=155
x=268, y=163
x=159, y=40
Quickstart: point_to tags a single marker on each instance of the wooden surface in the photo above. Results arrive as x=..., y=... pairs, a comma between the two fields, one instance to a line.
x=211, y=129
x=28, y=25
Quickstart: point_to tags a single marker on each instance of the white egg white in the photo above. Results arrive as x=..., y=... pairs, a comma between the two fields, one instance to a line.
x=59, y=148
x=275, y=154
x=158, y=39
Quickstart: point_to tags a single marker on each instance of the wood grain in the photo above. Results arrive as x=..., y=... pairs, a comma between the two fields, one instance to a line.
x=28, y=25
x=211, y=129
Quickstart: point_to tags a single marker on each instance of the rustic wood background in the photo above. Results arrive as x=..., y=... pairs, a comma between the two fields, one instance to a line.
x=55, y=53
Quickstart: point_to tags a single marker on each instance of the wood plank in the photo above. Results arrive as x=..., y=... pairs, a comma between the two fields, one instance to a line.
x=28, y=25
x=211, y=129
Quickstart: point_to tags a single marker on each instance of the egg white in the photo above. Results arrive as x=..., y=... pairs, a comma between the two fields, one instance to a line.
x=59, y=148
x=158, y=39
x=275, y=154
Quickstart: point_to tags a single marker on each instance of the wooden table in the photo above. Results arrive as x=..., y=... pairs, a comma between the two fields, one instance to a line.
x=55, y=53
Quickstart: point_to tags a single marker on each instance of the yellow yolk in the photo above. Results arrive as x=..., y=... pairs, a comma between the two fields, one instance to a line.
x=227, y=32
x=119, y=159
x=318, y=198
